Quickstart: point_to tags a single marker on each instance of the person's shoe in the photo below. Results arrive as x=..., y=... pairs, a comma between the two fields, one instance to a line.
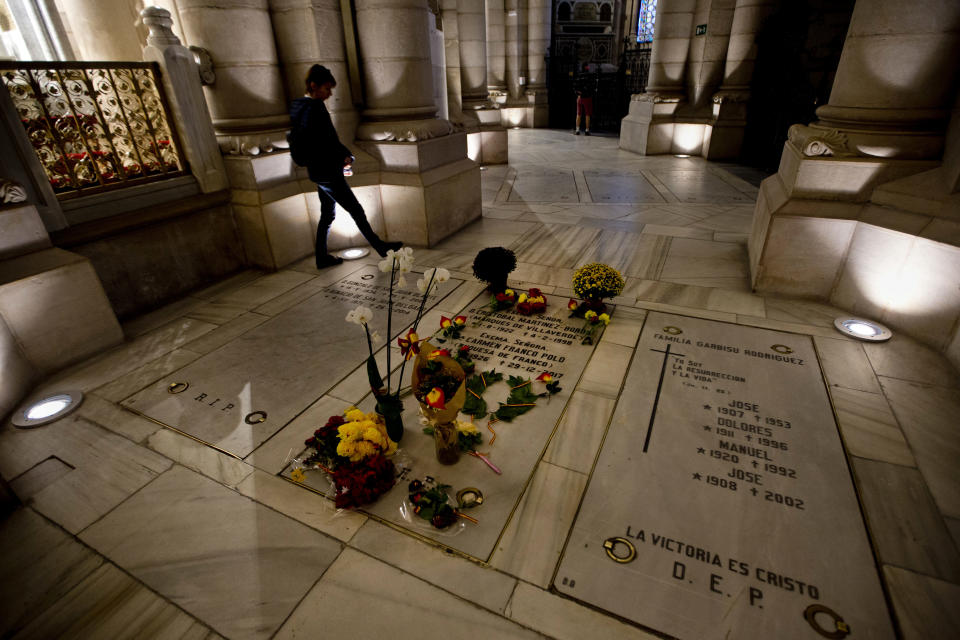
x=587, y=132
x=383, y=247
x=328, y=261
x=576, y=132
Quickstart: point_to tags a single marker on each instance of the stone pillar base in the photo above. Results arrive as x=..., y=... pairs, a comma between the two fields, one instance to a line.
x=277, y=209
x=429, y=188
x=538, y=107
x=488, y=145
x=806, y=216
x=635, y=127
x=724, y=140
x=53, y=303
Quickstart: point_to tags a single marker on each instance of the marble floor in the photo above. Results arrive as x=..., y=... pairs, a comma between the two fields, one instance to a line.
x=129, y=529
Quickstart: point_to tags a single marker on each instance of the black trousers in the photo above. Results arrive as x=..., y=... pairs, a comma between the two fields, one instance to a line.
x=337, y=191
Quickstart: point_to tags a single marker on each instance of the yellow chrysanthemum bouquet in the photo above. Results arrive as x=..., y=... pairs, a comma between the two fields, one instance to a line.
x=593, y=283
x=355, y=450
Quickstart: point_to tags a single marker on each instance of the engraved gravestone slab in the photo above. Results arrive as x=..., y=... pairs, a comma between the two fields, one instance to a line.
x=510, y=344
x=723, y=469
x=279, y=368
x=544, y=186
x=620, y=187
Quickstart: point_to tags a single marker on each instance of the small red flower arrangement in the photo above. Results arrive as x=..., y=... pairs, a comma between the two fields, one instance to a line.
x=531, y=302
x=360, y=483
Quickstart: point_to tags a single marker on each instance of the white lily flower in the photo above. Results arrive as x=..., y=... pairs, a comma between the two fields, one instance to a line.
x=439, y=274
x=402, y=282
x=422, y=285
x=361, y=315
x=376, y=338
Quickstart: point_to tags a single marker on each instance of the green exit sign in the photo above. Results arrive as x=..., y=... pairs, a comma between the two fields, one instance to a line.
x=701, y=29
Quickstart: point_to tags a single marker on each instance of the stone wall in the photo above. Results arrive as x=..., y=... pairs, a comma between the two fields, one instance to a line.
x=146, y=266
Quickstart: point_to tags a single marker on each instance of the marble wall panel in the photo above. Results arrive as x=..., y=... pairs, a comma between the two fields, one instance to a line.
x=278, y=368
x=803, y=256
x=769, y=508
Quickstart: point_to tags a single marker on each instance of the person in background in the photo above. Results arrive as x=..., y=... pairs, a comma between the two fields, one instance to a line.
x=327, y=161
x=585, y=87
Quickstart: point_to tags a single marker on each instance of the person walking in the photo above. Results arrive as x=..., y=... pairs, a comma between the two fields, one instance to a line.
x=585, y=87
x=314, y=144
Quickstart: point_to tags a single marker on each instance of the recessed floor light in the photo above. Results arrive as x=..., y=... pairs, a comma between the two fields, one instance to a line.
x=681, y=155
x=47, y=409
x=355, y=253
x=862, y=329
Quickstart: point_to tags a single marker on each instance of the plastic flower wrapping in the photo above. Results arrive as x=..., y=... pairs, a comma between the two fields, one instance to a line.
x=597, y=281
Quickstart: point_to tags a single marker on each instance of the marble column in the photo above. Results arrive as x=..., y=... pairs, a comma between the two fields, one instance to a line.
x=247, y=100
x=486, y=137
x=515, y=41
x=649, y=127
x=538, y=43
x=310, y=32
x=730, y=102
x=893, y=90
x=429, y=187
x=708, y=52
x=451, y=41
x=102, y=29
x=471, y=23
x=671, y=47
x=854, y=216
x=496, y=51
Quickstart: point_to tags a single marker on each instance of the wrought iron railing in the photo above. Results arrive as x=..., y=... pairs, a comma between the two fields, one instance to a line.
x=95, y=126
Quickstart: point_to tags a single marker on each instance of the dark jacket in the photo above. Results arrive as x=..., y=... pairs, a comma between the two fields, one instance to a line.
x=586, y=84
x=310, y=118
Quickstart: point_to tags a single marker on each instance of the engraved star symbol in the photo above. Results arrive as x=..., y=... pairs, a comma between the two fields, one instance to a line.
x=707, y=407
x=753, y=490
x=706, y=427
x=696, y=476
x=700, y=450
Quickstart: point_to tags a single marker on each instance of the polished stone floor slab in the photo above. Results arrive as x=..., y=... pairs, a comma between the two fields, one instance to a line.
x=724, y=470
x=551, y=186
x=238, y=566
x=700, y=187
x=513, y=345
x=613, y=187
x=276, y=370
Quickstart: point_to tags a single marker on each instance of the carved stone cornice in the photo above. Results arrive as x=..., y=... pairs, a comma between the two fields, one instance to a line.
x=656, y=97
x=12, y=191
x=405, y=130
x=816, y=141
x=253, y=144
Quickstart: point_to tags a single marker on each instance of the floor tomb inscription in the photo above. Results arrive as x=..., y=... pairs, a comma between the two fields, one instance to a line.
x=721, y=505
x=241, y=394
x=511, y=344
